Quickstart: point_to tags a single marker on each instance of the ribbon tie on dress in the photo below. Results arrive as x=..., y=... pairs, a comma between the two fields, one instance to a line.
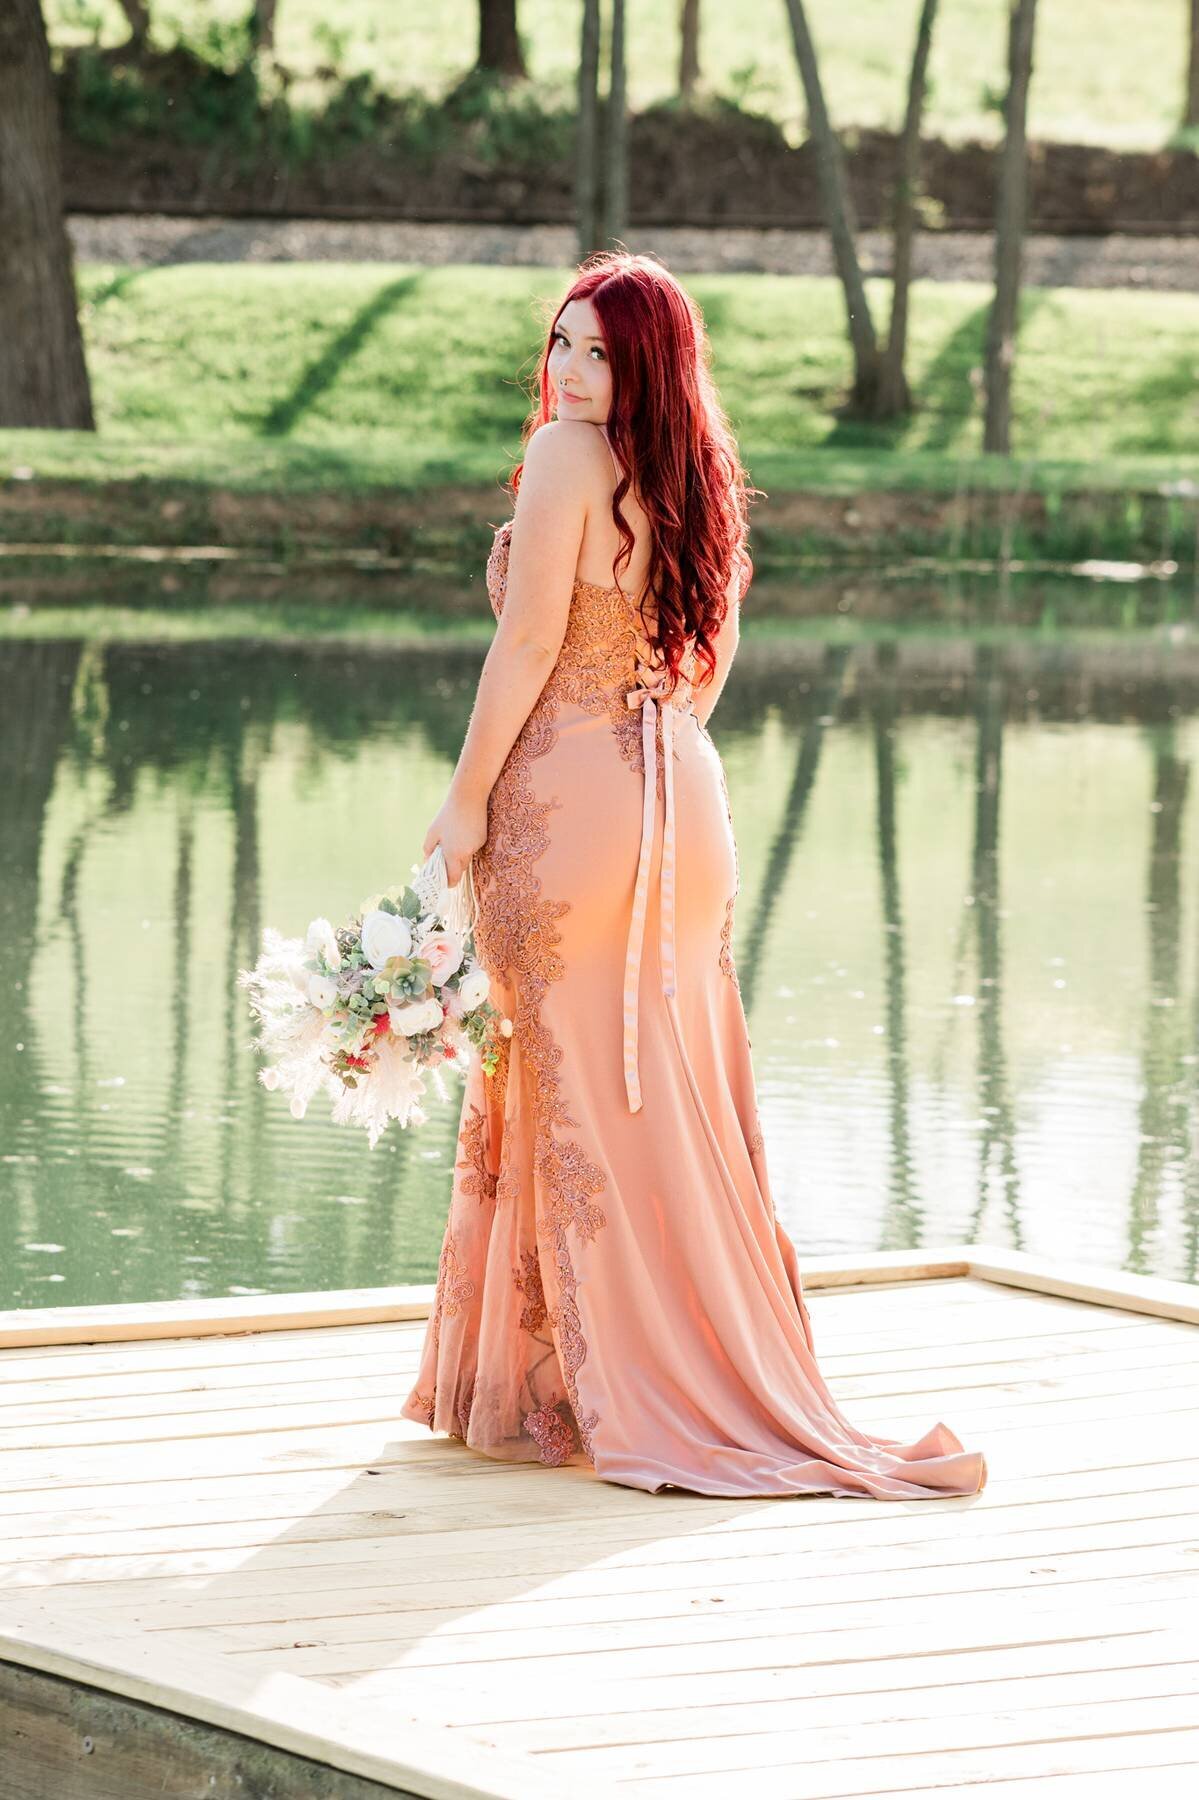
x=652, y=697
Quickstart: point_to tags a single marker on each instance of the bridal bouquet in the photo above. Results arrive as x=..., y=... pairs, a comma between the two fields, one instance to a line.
x=365, y=1010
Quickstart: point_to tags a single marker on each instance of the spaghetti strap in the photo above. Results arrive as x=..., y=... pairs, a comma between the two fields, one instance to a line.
x=611, y=452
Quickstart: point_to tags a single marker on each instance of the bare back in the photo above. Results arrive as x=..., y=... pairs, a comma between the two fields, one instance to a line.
x=602, y=541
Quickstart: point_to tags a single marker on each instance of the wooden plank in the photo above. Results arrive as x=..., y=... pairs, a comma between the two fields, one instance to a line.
x=790, y=1712
x=199, y=1318
x=288, y=1312
x=1050, y=1447
x=1087, y=1282
x=714, y=1648
x=324, y=1574
x=213, y=1349
x=631, y=1646
x=388, y=1746
x=192, y=1318
x=675, y=1606
x=1170, y=1756
x=378, y=1405
x=565, y=1706
x=149, y=1395
x=1174, y=1783
x=77, y=1743
x=1061, y=1521
x=322, y=1505
x=1103, y=1720
x=378, y=1399
x=1137, y=1346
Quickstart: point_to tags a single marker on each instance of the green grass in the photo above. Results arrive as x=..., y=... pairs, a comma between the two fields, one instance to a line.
x=398, y=373
x=1098, y=616
x=1106, y=71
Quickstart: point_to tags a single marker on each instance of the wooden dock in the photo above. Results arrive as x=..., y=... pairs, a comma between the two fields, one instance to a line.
x=229, y=1569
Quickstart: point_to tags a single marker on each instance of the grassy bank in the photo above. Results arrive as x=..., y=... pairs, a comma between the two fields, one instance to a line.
x=329, y=353
x=300, y=404
x=1106, y=71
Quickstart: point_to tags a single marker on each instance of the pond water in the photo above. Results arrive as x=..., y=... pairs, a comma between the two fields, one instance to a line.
x=966, y=939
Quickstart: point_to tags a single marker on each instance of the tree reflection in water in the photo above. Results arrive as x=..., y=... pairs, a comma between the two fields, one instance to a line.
x=129, y=771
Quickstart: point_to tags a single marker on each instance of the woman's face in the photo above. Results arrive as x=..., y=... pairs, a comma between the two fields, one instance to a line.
x=580, y=376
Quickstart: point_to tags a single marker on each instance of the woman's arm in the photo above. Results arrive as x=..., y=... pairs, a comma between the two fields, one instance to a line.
x=547, y=530
x=727, y=639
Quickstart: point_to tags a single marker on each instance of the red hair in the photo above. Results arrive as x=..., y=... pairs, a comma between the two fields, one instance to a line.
x=667, y=424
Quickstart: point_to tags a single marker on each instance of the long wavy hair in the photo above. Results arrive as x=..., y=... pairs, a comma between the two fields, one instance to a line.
x=666, y=424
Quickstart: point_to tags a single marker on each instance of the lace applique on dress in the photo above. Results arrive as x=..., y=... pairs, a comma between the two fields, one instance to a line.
x=479, y=1178
x=602, y=649
x=728, y=966
x=454, y=1287
x=552, y=1432
x=516, y=936
x=528, y=1280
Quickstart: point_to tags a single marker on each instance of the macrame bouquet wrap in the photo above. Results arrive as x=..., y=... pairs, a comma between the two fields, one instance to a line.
x=368, y=1010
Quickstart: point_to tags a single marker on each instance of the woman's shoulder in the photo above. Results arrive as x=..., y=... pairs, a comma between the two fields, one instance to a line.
x=566, y=450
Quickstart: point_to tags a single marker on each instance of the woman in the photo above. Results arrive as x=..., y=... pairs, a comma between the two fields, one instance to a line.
x=613, y=1287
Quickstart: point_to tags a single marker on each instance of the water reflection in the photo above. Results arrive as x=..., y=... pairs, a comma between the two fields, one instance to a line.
x=963, y=941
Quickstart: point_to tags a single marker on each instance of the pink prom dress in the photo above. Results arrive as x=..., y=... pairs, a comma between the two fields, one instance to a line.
x=614, y=1288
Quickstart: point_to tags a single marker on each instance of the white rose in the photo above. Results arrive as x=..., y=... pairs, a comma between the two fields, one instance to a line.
x=385, y=934
x=269, y=1078
x=418, y=1015
x=474, y=988
x=321, y=937
x=298, y=1107
x=322, y=991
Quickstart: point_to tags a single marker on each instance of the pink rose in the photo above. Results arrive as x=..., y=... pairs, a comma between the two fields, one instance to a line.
x=443, y=951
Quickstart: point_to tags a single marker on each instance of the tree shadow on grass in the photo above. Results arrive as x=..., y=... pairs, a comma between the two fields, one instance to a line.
x=943, y=399
x=1163, y=411
x=320, y=375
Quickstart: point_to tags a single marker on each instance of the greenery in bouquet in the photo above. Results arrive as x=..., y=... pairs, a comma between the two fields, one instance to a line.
x=366, y=1010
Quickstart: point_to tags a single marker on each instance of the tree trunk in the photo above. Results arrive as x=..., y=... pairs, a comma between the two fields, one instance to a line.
x=839, y=216
x=500, y=51
x=587, y=153
x=1009, y=231
x=894, y=395
x=262, y=25
x=689, y=49
x=43, y=374
x=137, y=12
x=1190, y=116
x=616, y=137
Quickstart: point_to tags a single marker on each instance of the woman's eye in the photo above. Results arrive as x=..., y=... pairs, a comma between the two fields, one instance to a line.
x=557, y=338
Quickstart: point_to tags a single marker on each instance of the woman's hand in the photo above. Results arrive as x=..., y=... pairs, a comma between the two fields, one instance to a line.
x=461, y=829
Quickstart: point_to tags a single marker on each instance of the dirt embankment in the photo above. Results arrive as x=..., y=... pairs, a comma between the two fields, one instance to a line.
x=706, y=169
x=448, y=530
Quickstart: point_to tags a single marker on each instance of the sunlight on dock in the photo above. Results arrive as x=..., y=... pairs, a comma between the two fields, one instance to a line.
x=232, y=1537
